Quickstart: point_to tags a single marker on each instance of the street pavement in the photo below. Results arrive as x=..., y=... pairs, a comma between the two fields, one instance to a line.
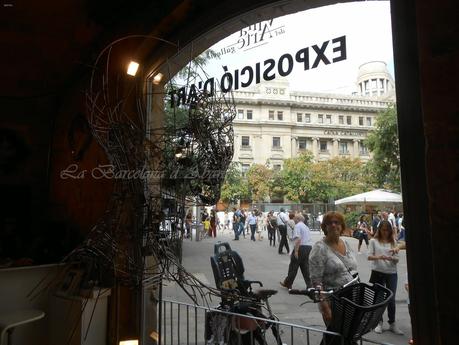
x=263, y=263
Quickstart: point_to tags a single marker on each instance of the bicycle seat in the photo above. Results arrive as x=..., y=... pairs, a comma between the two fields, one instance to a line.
x=264, y=293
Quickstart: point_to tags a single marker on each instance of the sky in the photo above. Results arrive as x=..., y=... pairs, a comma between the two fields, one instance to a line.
x=366, y=25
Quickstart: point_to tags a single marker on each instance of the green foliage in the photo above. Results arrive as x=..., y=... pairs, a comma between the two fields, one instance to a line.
x=383, y=144
x=259, y=177
x=306, y=181
x=296, y=182
x=235, y=187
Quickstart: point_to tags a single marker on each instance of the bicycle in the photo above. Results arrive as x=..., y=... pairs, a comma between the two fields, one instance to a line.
x=356, y=309
x=230, y=326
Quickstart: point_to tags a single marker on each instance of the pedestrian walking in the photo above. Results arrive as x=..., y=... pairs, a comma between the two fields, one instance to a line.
x=362, y=232
x=272, y=228
x=282, y=219
x=300, y=254
x=252, y=222
x=332, y=262
x=384, y=258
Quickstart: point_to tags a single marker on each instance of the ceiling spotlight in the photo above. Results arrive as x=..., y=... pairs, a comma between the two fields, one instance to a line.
x=157, y=78
x=132, y=68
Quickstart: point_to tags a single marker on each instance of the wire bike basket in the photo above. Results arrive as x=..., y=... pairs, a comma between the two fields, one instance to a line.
x=357, y=309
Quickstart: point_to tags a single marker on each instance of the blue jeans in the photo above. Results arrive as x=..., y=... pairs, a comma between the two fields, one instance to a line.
x=389, y=280
x=236, y=230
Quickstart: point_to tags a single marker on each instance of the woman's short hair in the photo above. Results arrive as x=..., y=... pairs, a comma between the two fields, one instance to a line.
x=328, y=217
x=291, y=215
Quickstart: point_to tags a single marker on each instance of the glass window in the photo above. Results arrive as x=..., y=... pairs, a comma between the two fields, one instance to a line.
x=341, y=119
x=271, y=114
x=343, y=148
x=366, y=85
x=368, y=121
x=349, y=120
x=320, y=118
x=363, y=149
x=245, y=168
x=323, y=146
x=360, y=120
x=277, y=167
x=329, y=121
x=249, y=115
x=302, y=143
x=280, y=115
x=381, y=83
x=307, y=118
x=245, y=141
x=276, y=142
x=240, y=114
x=299, y=117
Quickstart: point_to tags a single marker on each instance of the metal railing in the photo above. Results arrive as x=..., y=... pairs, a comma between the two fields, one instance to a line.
x=184, y=323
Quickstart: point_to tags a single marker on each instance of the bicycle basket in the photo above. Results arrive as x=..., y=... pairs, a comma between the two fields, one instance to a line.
x=357, y=309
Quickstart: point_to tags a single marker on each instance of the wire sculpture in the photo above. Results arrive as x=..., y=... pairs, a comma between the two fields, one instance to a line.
x=186, y=163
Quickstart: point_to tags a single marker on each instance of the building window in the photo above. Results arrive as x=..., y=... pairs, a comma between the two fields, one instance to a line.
x=307, y=118
x=271, y=114
x=245, y=142
x=341, y=119
x=302, y=143
x=249, y=115
x=368, y=121
x=280, y=115
x=360, y=120
x=245, y=168
x=276, y=142
x=363, y=149
x=349, y=120
x=240, y=114
x=320, y=118
x=299, y=117
x=277, y=167
x=343, y=148
x=366, y=85
x=329, y=121
x=323, y=146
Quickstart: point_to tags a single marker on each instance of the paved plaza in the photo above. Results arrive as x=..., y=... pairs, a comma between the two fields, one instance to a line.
x=263, y=263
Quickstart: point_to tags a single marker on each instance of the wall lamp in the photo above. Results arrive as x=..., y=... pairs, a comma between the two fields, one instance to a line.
x=129, y=342
x=132, y=70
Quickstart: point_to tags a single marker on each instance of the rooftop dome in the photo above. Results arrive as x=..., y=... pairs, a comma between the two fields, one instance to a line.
x=372, y=67
x=374, y=80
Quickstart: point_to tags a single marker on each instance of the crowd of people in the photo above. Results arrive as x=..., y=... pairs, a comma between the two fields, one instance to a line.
x=330, y=262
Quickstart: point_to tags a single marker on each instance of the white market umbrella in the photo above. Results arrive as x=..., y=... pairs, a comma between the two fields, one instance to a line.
x=375, y=197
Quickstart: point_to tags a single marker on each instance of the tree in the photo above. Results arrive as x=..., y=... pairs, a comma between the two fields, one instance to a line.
x=342, y=177
x=295, y=177
x=235, y=187
x=259, y=177
x=383, y=144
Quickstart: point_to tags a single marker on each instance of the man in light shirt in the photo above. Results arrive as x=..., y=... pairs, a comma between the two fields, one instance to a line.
x=300, y=255
x=282, y=219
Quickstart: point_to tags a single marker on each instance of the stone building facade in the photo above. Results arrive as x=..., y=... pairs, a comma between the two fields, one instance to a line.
x=274, y=123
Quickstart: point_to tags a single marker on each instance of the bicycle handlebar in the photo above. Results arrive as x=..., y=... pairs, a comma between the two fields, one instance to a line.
x=317, y=294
